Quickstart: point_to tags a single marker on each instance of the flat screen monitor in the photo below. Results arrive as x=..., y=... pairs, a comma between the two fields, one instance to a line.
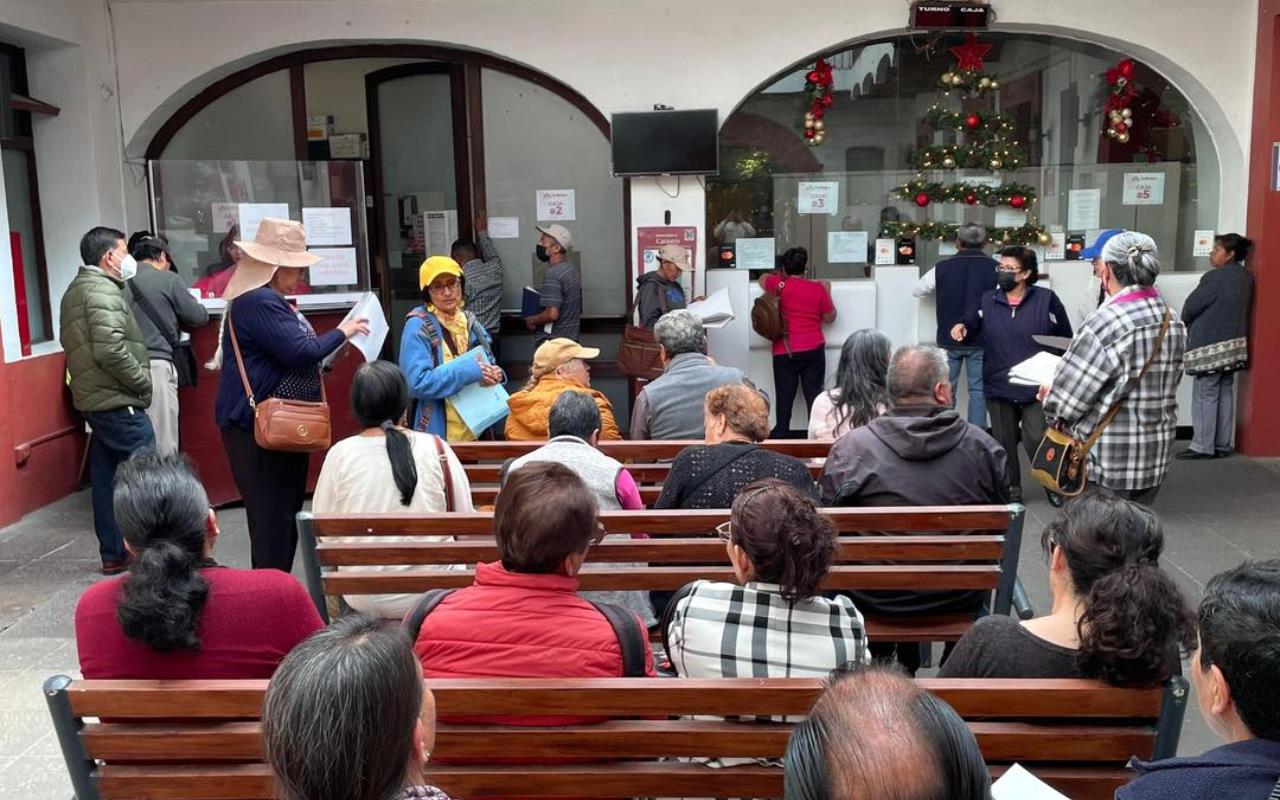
x=666, y=143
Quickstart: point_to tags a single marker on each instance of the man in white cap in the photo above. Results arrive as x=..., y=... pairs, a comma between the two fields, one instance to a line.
x=660, y=291
x=561, y=288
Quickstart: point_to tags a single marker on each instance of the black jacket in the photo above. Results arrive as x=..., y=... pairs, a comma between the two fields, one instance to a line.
x=1218, y=309
x=1006, y=337
x=960, y=282
x=651, y=291
x=1239, y=771
x=916, y=456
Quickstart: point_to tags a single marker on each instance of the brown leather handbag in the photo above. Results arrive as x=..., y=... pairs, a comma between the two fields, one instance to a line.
x=292, y=425
x=639, y=355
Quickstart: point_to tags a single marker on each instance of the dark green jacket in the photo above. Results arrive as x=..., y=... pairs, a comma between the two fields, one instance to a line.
x=107, y=357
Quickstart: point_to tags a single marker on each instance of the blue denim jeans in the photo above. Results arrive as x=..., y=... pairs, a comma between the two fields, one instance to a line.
x=117, y=434
x=972, y=359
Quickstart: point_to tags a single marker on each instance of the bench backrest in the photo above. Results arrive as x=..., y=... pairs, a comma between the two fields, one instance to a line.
x=1075, y=734
x=939, y=551
x=638, y=450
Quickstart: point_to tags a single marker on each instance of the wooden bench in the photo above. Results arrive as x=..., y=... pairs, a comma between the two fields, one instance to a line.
x=931, y=560
x=1077, y=735
x=642, y=450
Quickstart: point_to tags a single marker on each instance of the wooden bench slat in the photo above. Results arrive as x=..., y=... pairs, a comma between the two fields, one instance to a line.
x=637, y=450
x=925, y=519
x=977, y=577
x=947, y=547
x=642, y=473
x=986, y=698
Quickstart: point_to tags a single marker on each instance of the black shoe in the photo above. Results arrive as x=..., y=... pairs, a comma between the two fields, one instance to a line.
x=1223, y=453
x=1194, y=455
x=1056, y=500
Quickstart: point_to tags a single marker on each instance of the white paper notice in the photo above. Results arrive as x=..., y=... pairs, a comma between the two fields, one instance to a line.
x=1057, y=249
x=818, y=197
x=1018, y=784
x=1084, y=209
x=369, y=344
x=1010, y=218
x=224, y=216
x=337, y=267
x=754, y=253
x=556, y=205
x=327, y=226
x=847, y=247
x=1202, y=244
x=251, y=215
x=504, y=227
x=886, y=255
x=1143, y=189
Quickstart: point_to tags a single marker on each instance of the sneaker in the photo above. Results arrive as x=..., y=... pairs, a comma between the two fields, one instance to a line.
x=114, y=567
x=1194, y=455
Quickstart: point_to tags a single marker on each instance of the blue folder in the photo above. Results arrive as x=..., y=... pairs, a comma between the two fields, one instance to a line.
x=530, y=303
x=480, y=407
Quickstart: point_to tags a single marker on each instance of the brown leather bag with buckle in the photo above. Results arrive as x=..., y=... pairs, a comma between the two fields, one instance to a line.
x=292, y=425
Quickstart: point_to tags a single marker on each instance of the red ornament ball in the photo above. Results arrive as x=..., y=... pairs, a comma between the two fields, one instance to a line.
x=809, y=133
x=1120, y=127
x=812, y=77
x=827, y=100
x=817, y=110
x=971, y=199
x=972, y=122
x=922, y=199
x=1017, y=201
x=1126, y=68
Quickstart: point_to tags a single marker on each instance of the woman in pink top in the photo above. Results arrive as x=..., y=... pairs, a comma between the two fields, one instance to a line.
x=799, y=357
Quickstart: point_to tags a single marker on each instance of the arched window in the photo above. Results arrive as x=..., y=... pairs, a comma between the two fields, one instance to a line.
x=890, y=136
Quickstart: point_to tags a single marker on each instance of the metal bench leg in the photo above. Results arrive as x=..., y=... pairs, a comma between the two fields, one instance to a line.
x=1173, y=707
x=1022, y=603
x=1009, y=561
x=311, y=563
x=67, y=727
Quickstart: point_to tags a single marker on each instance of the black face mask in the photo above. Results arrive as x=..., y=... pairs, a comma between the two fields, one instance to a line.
x=1006, y=280
x=541, y=253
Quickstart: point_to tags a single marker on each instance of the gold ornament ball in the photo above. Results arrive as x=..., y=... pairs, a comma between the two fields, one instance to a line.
x=819, y=139
x=957, y=80
x=995, y=85
x=996, y=163
x=1043, y=238
x=948, y=162
x=1126, y=113
x=946, y=78
x=808, y=116
x=1111, y=132
x=984, y=83
x=1122, y=137
x=819, y=125
x=808, y=123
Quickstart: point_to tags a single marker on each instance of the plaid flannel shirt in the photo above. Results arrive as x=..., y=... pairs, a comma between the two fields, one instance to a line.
x=1100, y=367
x=484, y=283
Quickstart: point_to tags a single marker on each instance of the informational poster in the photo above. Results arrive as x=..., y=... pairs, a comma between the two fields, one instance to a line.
x=327, y=226
x=886, y=254
x=251, y=215
x=1084, y=209
x=556, y=205
x=337, y=267
x=1010, y=218
x=1057, y=249
x=818, y=197
x=847, y=247
x=758, y=253
x=224, y=216
x=1202, y=244
x=651, y=239
x=1143, y=189
x=504, y=227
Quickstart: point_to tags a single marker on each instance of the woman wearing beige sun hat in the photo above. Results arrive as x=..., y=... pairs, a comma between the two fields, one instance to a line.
x=282, y=355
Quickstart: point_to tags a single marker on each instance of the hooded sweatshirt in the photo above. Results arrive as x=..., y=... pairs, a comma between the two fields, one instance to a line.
x=655, y=296
x=1247, y=770
x=916, y=455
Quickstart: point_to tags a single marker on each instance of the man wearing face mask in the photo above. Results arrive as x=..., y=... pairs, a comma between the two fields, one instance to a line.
x=1096, y=293
x=108, y=368
x=561, y=288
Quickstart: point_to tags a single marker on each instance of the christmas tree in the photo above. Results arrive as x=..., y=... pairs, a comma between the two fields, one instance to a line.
x=967, y=133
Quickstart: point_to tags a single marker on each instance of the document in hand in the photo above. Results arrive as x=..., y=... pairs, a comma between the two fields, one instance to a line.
x=715, y=311
x=370, y=344
x=530, y=303
x=1018, y=784
x=1035, y=371
x=480, y=407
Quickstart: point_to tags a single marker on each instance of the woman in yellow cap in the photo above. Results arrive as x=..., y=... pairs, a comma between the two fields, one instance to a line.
x=435, y=335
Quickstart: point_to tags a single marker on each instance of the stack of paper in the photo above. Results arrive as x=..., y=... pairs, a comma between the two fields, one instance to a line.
x=715, y=311
x=1018, y=784
x=480, y=407
x=1035, y=371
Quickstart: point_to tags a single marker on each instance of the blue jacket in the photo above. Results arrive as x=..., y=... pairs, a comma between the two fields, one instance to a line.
x=961, y=280
x=273, y=342
x=430, y=382
x=1006, y=335
x=1239, y=771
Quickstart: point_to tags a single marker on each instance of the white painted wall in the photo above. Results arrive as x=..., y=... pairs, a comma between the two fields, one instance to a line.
x=253, y=122
x=336, y=88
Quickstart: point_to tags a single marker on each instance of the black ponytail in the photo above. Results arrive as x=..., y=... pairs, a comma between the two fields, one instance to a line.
x=380, y=397
x=163, y=513
x=1135, y=618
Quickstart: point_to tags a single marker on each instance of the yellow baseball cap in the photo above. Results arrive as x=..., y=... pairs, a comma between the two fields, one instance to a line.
x=555, y=353
x=434, y=267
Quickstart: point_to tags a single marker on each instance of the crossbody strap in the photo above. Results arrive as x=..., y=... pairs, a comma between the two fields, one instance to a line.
x=448, y=476
x=153, y=315
x=1110, y=416
x=244, y=376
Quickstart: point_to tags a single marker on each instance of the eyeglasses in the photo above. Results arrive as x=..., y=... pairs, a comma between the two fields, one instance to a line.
x=445, y=286
x=725, y=530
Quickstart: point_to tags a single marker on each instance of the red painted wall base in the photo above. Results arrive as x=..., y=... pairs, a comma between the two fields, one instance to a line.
x=42, y=438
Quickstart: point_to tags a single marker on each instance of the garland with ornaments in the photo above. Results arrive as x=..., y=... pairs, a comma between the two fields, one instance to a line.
x=818, y=85
x=921, y=192
x=1030, y=233
x=1117, y=112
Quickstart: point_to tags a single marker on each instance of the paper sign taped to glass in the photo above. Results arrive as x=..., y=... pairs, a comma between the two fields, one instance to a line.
x=480, y=407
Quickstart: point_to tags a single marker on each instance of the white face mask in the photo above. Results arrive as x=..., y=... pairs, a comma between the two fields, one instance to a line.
x=128, y=268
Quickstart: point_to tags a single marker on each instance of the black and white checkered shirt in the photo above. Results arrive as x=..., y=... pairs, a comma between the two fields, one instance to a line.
x=1102, y=366
x=484, y=284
